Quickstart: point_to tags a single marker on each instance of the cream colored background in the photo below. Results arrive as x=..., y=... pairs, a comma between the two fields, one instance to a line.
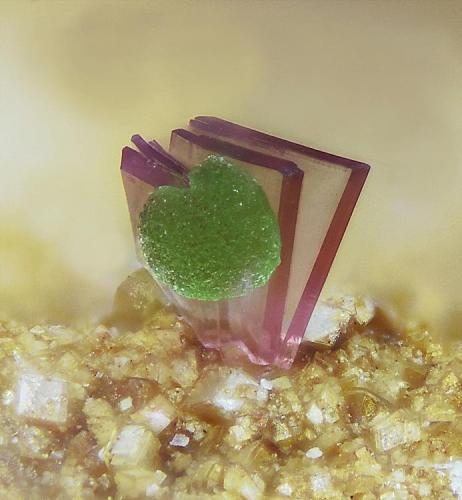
x=380, y=81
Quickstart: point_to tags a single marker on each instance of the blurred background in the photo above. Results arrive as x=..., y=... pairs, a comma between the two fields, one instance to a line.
x=378, y=81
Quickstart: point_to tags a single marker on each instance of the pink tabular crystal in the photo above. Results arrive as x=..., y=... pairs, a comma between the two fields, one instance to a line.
x=313, y=193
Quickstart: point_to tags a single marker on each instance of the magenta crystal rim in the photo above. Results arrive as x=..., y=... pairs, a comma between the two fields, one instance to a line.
x=209, y=123
x=136, y=165
x=152, y=150
x=285, y=167
x=337, y=227
x=292, y=177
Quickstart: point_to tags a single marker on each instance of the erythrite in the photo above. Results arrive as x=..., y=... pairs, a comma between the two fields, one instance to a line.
x=313, y=195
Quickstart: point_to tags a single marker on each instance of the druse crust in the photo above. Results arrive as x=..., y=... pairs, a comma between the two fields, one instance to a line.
x=216, y=240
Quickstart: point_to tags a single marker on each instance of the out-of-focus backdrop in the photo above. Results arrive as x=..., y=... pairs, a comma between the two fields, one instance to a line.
x=379, y=81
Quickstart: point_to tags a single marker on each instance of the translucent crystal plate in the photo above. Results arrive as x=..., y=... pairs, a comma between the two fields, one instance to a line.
x=313, y=194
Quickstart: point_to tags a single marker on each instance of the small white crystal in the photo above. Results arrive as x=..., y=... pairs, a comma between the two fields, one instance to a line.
x=455, y=474
x=57, y=454
x=425, y=489
x=314, y=452
x=285, y=489
x=242, y=431
x=252, y=489
x=121, y=361
x=227, y=403
x=266, y=384
x=264, y=387
x=226, y=397
x=101, y=330
x=7, y=397
x=314, y=415
x=237, y=378
x=139, y=482
x=326, y=324
x=42, y=398
x=114, y=332
x=238, y=432
x=126, y=404
x=262, y=394
x=320, y=481
x=37, y=330
x=365, y=310
x=398, y=476
x=157, y=419
x=152, y=489
x=128, y=439
x=157, y=414
x=61, y=331
x=454, y=471
x=134, y=446
x=180, y=440
x=394, y=431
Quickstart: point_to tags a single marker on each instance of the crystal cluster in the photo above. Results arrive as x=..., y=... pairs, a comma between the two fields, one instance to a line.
x=312, y=194
x=137, y=408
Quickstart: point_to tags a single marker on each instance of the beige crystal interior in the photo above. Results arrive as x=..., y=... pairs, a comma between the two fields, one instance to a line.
x=322, y=188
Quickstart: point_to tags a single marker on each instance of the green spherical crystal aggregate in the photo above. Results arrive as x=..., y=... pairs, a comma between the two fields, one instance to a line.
x=215, y=240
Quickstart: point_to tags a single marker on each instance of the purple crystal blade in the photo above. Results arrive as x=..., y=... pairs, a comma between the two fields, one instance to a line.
x=282, y=181
x=140, y=177
x=138, y=166
x=217, y=127
x=331, y=187
x=156, y=153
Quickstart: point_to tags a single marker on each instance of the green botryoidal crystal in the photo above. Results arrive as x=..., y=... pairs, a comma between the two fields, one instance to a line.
x=215, y=240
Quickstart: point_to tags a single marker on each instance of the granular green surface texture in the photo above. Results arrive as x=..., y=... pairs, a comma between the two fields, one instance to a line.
x=215, y=240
